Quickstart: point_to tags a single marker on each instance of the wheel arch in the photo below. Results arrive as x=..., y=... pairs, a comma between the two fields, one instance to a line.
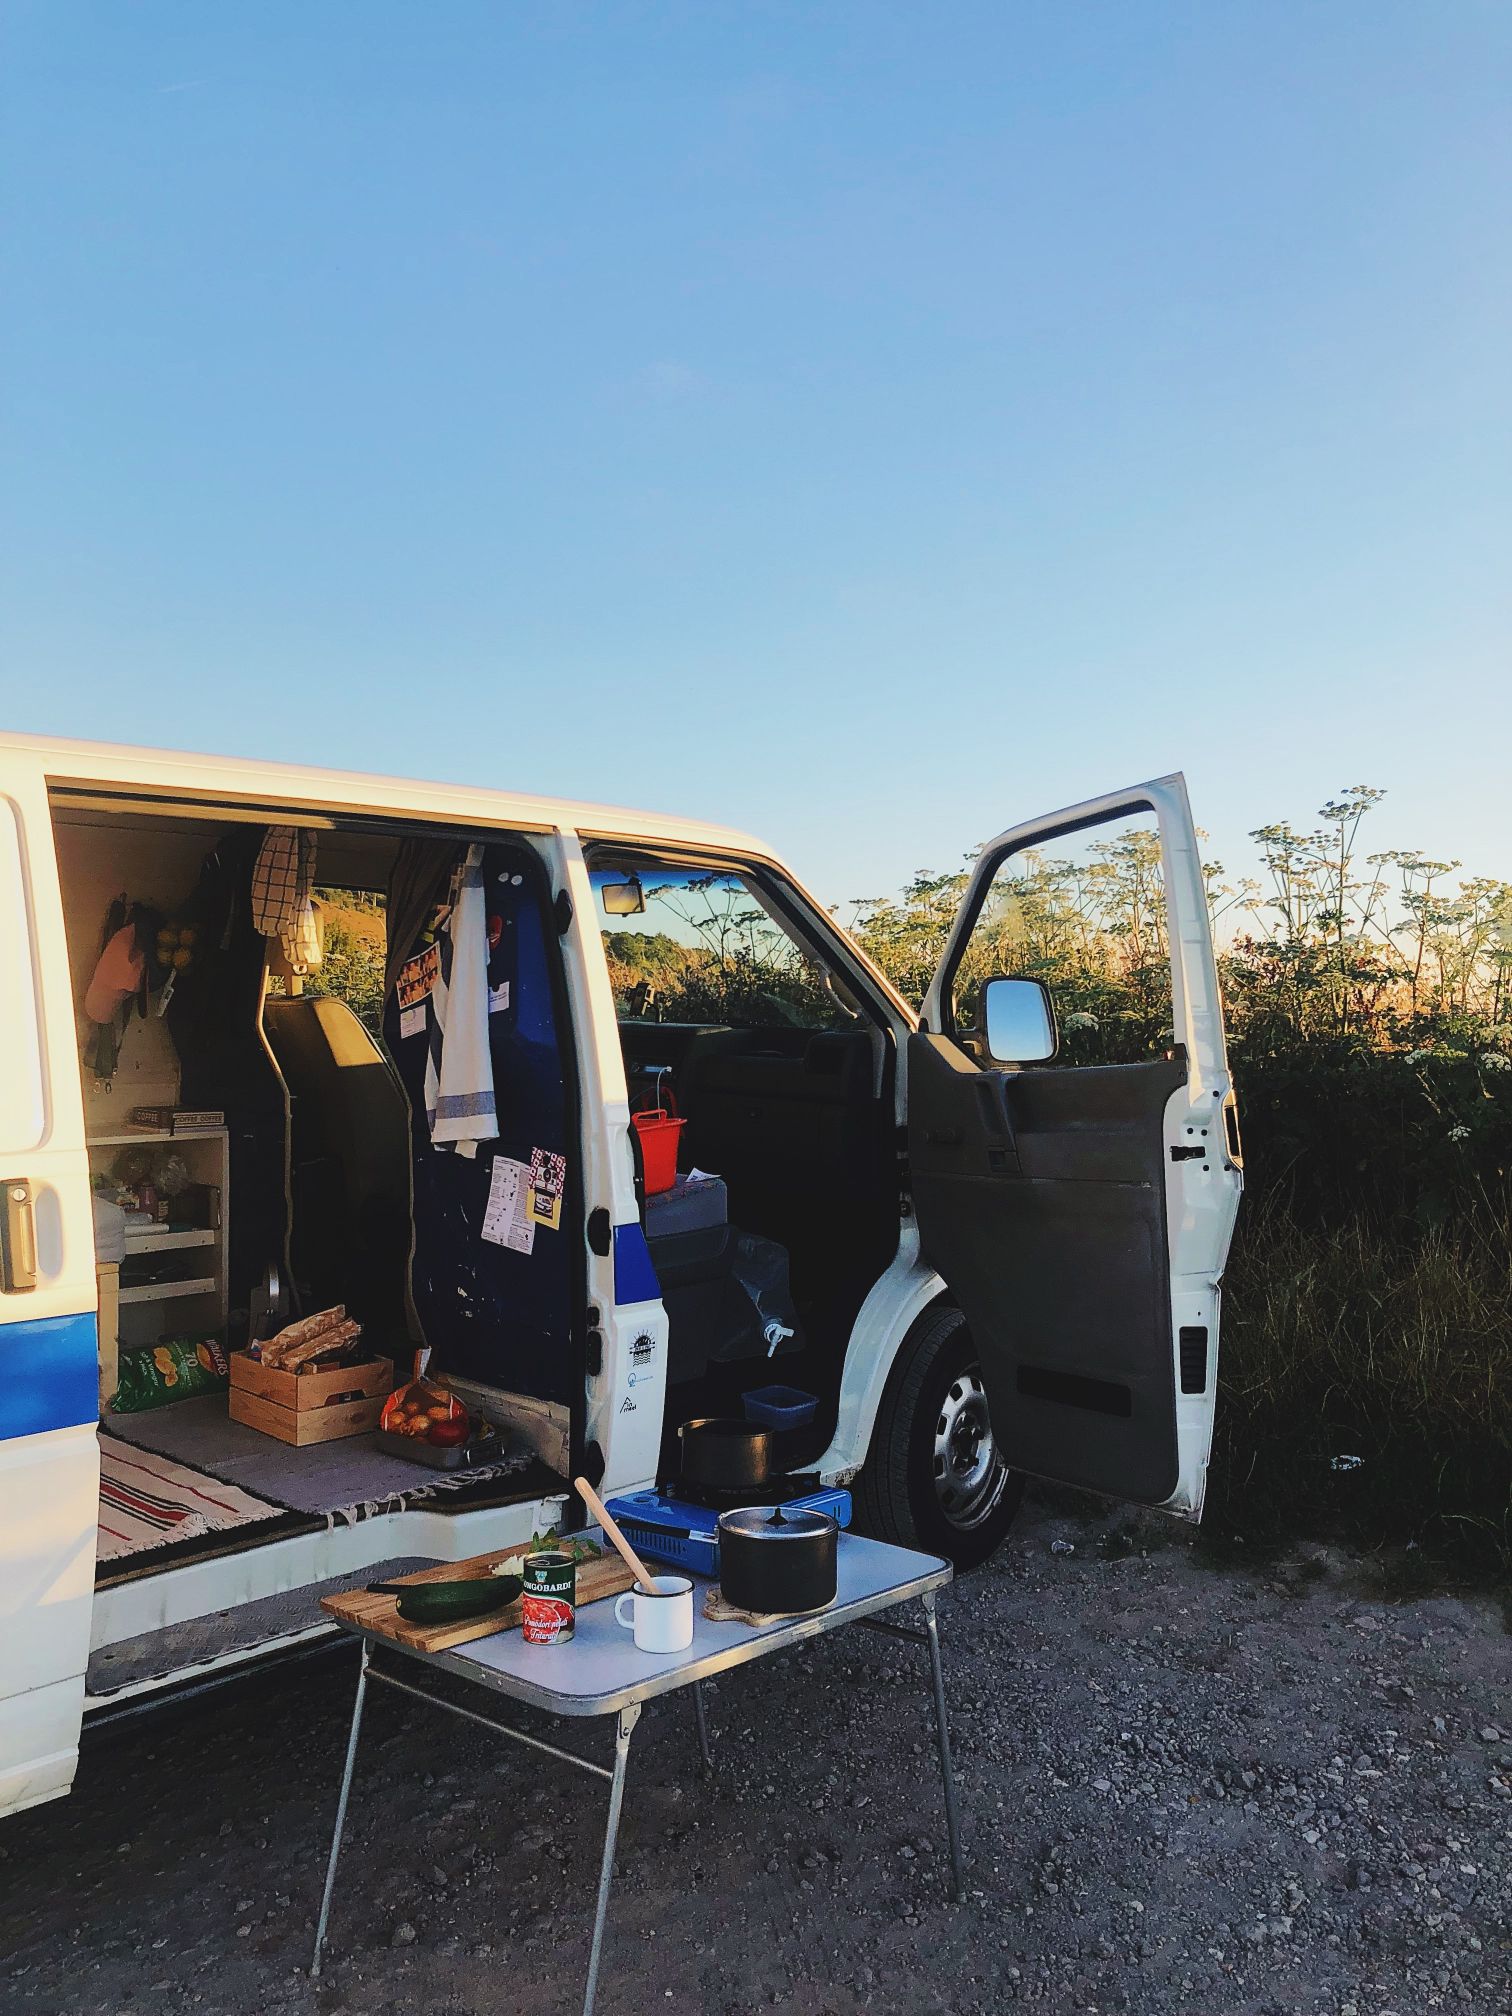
x=898, y=1299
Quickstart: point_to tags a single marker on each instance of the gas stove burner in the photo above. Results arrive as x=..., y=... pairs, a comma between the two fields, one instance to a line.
x=776, y=1491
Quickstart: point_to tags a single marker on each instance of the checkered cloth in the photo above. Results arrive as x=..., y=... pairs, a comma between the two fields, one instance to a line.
x=282, y=876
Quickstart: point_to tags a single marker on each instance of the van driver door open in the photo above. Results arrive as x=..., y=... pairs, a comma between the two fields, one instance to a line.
x=49, y=1381
x=1080, y=1207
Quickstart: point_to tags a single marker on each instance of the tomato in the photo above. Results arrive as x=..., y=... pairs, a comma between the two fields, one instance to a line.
x=451, y=1433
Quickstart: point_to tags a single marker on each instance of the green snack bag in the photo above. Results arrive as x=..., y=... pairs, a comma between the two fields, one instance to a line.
x=180, y=1368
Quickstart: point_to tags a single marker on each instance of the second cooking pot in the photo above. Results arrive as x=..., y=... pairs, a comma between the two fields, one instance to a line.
x=724, y=1454
x=776, y=1558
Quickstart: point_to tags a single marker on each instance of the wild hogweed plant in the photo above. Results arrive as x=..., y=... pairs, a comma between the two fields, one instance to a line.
x=1369, y=1300
x=1368, y=999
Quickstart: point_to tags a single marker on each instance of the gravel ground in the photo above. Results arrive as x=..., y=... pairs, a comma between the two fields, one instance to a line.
x=1183, y=1788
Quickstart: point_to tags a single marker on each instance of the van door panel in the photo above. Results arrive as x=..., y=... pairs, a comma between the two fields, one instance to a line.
x=1067, y=1203
x=1081, y=1214
x=49, y=1458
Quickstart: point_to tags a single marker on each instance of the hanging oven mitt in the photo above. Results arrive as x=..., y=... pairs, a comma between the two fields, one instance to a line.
x=117, y=976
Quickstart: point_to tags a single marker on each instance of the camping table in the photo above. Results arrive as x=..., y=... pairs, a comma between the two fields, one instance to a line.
x=600, y=1672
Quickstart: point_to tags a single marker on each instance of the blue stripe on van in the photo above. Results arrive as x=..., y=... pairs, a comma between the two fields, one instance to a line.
x=634, y=1276
x=48, y=1375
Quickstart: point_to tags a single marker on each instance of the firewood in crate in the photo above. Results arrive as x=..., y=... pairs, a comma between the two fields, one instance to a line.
x=324, y=1348
x=276, y=1351
x=350, y=1351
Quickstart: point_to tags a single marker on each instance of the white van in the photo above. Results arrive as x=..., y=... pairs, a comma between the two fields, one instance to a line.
x=913, y=1214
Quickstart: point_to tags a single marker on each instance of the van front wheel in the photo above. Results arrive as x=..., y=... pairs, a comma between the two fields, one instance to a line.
x=934, y=1478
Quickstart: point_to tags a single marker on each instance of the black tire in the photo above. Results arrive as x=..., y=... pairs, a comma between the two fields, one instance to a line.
x=896, y=1495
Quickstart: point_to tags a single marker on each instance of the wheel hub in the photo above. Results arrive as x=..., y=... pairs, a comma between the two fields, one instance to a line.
x=969, y=1473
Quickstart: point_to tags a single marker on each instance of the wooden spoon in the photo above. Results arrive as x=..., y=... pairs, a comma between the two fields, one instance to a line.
x=606, y=1519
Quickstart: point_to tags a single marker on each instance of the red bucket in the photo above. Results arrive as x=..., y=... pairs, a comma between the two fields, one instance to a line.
x=658, y=1131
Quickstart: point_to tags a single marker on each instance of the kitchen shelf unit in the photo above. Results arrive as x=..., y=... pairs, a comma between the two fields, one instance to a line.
x=167, y=1291
x=197, y=1303
x=159, y=1240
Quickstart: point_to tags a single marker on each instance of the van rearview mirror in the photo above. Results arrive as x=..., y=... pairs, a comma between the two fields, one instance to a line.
x=623, y=899
x=1018, y=1022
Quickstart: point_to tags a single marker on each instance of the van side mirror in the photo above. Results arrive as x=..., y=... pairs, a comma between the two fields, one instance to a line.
x=623, y=899
x=1018, y=1022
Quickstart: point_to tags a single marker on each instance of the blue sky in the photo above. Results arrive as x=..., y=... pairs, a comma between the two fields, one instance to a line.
x=866, y=424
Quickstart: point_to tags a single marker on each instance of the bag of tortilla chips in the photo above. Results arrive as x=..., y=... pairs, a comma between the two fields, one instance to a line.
x=180, y=1368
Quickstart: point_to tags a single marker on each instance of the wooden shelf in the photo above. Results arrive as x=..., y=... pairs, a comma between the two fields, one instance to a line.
x=167, y=1291
x=160, y=1240
x=145, y=1306
x=128, y=1135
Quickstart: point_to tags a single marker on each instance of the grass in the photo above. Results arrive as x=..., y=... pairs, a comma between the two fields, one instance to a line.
x=1343, y=1343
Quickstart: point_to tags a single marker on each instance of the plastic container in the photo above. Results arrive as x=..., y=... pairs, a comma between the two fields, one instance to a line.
x=693, y=1204
x=780, y=1406
x=658, y=1131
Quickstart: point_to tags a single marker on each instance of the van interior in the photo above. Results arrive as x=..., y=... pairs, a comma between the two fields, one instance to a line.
x=733, y=1021
x=309, y=1181
x=256, y=1108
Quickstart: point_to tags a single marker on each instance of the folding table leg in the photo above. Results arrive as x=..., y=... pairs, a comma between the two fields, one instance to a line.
x=628, y=1717
x=341, y=1813
x=703, y=1726
x=942, y=1732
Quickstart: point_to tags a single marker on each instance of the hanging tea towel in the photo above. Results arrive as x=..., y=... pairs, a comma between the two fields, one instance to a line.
x=282, y=877
x=459, y=1087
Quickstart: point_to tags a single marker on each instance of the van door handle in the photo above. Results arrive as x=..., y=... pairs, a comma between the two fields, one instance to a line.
x=943, y=1137
x=18, y=1237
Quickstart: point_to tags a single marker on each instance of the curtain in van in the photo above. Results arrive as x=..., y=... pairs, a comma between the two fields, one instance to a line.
x=417, y=883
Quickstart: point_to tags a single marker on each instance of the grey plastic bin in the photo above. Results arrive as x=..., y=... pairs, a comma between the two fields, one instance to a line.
x=693, y=1204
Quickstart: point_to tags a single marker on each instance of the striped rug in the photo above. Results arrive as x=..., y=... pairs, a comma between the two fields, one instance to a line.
x=146, y=1500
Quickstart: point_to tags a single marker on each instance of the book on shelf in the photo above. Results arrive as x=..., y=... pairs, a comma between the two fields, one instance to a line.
x=178, y=1119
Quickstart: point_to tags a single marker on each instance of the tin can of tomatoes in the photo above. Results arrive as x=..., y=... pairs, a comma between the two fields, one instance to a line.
x=547, y=1599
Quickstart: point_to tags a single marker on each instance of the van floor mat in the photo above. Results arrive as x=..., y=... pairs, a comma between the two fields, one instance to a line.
x=203, y=1547
x=347, y=1479
x=177, y=1649
x=479, y=1494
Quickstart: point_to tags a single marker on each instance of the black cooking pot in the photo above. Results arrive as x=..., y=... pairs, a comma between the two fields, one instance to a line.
x=778, y=1559
x=725, y=1455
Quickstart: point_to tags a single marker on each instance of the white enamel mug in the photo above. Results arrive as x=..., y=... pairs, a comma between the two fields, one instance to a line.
x=661, y=1616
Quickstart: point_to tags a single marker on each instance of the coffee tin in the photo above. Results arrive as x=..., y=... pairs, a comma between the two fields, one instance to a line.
x=547, y=1599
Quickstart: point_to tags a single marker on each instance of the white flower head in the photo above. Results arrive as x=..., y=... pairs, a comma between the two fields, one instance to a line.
x=1495, y=1060
x=1459, y=1133
x=1080, y=1020
x=1418, y=1056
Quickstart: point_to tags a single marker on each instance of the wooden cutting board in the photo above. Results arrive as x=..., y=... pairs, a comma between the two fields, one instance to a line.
x=608, y=1576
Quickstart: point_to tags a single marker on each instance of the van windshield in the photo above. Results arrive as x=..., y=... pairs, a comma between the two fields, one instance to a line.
x=707, y=945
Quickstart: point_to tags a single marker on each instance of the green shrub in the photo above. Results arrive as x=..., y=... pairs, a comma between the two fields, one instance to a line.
x=1338, y=1342
x=1368, y=1310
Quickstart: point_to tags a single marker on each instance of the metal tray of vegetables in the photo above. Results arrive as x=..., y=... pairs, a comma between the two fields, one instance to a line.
x=484, y=1445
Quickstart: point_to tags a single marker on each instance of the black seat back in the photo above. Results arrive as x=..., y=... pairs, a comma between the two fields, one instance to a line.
x=349, y=1235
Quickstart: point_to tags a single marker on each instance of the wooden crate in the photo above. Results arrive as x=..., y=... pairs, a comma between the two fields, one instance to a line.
x=304, y=1407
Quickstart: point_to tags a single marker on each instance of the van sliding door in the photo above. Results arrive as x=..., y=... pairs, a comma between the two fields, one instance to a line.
x=49, y=1397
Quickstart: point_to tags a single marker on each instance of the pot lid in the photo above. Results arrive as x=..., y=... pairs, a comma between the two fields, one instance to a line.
x=709, y=1425
x=777, y=1522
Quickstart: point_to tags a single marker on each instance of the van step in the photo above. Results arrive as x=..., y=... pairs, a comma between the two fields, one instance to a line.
x=176, y=1650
